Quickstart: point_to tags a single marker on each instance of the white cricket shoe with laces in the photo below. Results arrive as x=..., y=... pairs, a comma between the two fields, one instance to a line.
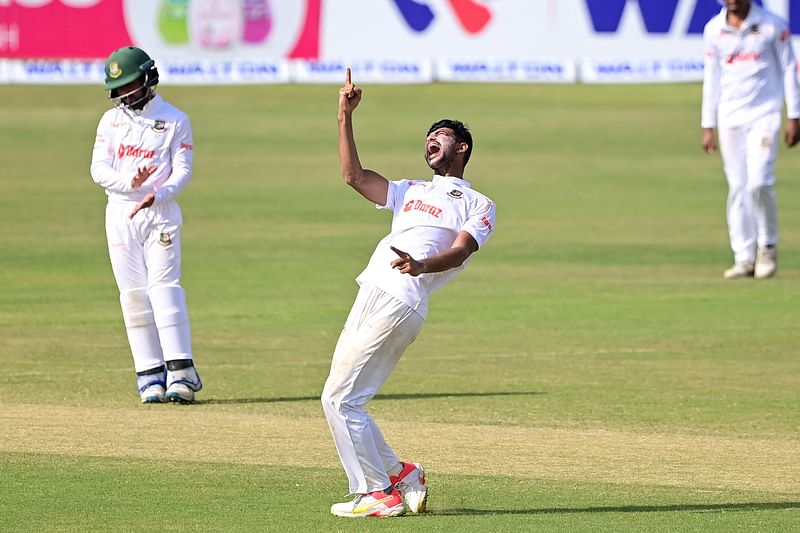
x=153, y=393
x=376, y=503
x=182, y=384
x=766, y=262
x=743, y=269
x=180, y=393
x=411, y=484
x=151, y=385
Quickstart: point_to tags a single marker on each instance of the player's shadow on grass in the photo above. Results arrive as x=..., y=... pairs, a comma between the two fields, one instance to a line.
x=678, y=508
x=415, y=396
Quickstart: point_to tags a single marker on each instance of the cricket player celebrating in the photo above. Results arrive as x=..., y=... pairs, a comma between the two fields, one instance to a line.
x=143, y=158
x=750, y=70
x=436, y=226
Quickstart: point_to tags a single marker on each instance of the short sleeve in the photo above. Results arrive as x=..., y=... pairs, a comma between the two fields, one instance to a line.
x=481, y=221
x=395, y=194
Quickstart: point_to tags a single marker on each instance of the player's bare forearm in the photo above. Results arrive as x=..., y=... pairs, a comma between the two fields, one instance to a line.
x=368, y=183
x=348, y=153
x=453, y=257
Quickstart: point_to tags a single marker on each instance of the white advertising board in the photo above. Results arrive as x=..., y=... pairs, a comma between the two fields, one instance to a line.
x=385, y=41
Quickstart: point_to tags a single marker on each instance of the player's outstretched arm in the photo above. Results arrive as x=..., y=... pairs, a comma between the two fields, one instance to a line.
x=368, y=183
x=464, y=246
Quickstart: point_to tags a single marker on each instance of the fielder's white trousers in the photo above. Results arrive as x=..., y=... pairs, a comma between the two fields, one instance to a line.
x=145, y=255
x=375, y=335
x=748, y=155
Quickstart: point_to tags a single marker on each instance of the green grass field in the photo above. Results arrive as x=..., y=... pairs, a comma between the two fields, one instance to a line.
x=590, y=371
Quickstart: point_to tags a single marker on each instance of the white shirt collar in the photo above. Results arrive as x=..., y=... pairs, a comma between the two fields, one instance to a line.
x=154, y=103
x=451, y=179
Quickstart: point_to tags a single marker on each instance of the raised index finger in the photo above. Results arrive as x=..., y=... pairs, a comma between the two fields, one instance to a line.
x=401, y=253
x=347, y=80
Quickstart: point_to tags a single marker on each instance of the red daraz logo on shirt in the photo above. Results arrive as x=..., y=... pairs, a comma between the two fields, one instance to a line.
x=743, y=56
x=132, y=151
x=419, y=205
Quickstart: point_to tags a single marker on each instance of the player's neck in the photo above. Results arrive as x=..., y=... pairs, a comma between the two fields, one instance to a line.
x=737, y=19
x=450, y=170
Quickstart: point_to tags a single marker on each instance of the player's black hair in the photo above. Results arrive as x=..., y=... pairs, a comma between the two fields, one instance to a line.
x=461, y=132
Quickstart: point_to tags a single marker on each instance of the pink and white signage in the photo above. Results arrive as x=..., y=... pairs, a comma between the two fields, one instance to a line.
x=61, y=28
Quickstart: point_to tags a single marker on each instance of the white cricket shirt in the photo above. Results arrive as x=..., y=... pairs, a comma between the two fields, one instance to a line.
x=749, y=71
x=160, y=134
x=427, y=217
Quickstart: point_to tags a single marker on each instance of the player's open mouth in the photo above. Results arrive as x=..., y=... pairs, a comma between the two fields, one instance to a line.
x=433, y=149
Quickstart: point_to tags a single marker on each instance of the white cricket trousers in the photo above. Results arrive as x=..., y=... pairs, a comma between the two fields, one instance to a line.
x=378, y=330
x=748, y=155
x=145, y=255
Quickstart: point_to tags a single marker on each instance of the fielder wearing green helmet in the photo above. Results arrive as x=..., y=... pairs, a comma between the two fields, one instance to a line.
x=126, y=65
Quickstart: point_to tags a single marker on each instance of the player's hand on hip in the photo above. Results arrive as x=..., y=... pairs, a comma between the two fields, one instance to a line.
x=147, y=202
x=142, y=174
x=709, y=142
x=406, y=264
x=349, y=94
x=792, y=135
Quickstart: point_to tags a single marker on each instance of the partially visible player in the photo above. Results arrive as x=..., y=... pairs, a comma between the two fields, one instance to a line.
x=750, y=70
x=143, y=159
x=436, y=226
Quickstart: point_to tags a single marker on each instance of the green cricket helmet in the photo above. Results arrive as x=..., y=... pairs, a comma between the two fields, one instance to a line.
x=128, y=64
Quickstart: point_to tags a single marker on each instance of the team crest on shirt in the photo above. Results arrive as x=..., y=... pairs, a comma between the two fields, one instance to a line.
x=455, y=193
x=164, y=239
x=755, y=29
x=160, y=126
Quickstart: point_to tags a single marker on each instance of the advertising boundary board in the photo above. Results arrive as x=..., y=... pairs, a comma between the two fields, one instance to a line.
x=234, y=71
x=210, y=42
